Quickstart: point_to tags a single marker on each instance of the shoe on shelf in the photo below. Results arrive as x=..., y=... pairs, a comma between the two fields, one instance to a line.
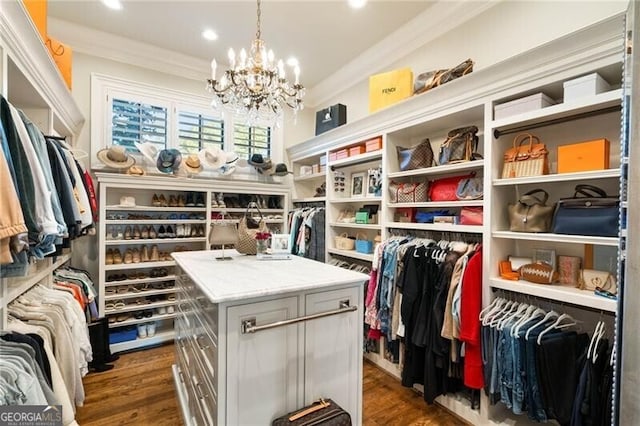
x=117, y=257
x=144, y=232
x=142, y=331
x=200, y=199
x=152, y=232
x=163, y=201
x=127, y=232
x=155, y=201
x=181, y=201
x=220, y=199
x=194, y=231
x=144, y=254
x=154, y=257
x=170, y=233
x=173, y=201
x=170, y=309
x=201, y=231
x=151, y=329
x=108, y=259
x=180, y=231
x=128, y=256
x=161, y=310
x=187, y=230
x=162, y=233
x=135, y=253
x=189, y=201
x=136, y=232
x=214, y=200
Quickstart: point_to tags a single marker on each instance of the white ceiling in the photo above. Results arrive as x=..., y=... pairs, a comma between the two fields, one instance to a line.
x=323, y=35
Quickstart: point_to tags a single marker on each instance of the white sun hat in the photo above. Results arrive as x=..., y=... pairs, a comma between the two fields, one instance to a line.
x=213, y=157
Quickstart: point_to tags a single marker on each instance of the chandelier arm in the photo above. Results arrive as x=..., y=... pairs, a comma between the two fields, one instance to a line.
x=258, y=32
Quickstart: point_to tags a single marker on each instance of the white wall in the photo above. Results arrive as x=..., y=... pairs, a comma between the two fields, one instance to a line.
x=505, y=30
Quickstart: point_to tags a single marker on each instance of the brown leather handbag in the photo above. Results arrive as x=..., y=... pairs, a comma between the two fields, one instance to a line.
x=530, y=213
x=527, y=157
x=415, y=157
x=246, y=236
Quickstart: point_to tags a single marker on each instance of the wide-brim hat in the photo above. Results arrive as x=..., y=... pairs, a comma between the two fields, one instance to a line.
x=231, y=158
x=136, y=171
x=193, y=164
x=116, y=157
x=127, y=201
x=169, y=160
x=280, y=170
x=213, y=157
x=149, y=150
x=227, y=169
x=259, y=162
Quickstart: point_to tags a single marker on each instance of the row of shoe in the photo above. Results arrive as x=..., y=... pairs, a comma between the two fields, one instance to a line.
x=135, y=255
x=189, y=200
x=149, y=232
x=138, y=288
x=219, y=200
x=139, y=275
x=147, y=329
x=112, y=305
x=170, y=216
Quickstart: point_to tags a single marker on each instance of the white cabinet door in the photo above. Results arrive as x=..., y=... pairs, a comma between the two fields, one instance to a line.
x=333, y=351
x=262, y=380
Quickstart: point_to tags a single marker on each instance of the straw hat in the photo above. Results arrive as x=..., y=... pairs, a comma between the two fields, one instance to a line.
x=212, y=157
x=116, y=157
x=192, y=164
x=149, y=150
x=136, y=171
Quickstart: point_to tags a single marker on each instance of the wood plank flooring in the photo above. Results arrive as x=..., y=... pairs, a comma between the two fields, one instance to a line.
x=139, y=391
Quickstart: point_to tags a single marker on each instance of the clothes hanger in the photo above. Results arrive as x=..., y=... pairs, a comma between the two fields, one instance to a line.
x=557, y=325
x=489, y=307
x=537, y=312
x=517, y=315
x=498, y=308
x=501, y=312
x=547, y=317
x=595, y=346
x=594, y=338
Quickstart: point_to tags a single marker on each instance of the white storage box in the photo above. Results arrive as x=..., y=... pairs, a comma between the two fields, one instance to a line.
x=522, y=105
x=306, y=170
x=588, y=85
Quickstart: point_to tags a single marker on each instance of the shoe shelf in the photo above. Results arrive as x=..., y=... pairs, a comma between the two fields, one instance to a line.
x=564, y=110
x=352, y=253
x=139, y=265
x=134, y=321
x=139, y=307
x=565, y=294
x=140, y=293
x=444, y=227
x=356, y=200
x=242, y=210
x=159, y=337
x=559, y=238
x=464, y=203
x=440, y=170
x=238, y=220
x=154, y=221
x=155, y=241
x=561, y=177
x=356, y=225
x=357, y=159
x=139, y=281
x=118, y=207
x=309, y=200
x=312, y=176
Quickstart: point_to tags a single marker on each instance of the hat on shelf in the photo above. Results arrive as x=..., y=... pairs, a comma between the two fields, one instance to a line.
x=135, y=171
x=149, y=150
x=227, y=169
x=212, y=157
x=116, y=157
x=127, y=201
x=259, y=162
x=280, y=170
x=192, y=164
x=169, y=160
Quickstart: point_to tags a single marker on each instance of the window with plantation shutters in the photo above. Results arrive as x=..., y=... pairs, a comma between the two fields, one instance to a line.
x=249, y=140
x=138, y=122
x=198, y=131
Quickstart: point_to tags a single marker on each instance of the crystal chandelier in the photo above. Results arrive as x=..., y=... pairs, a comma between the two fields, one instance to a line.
x=255, y=85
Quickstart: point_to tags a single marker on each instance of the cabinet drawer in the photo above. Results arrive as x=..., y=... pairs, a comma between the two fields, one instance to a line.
x=206, y=310
x=204, y=397
x=206, y=351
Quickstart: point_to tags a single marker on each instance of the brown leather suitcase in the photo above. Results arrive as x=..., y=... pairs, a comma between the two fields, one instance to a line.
x=323, y=412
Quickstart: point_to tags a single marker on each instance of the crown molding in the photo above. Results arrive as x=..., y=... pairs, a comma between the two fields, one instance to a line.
x=120, y=49
x=23, y=44
x=437, y=20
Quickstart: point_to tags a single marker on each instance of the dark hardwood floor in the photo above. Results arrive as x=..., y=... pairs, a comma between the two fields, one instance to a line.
x=139, y=391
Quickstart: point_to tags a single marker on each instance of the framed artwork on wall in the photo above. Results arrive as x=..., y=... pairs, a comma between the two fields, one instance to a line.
x=358, y=184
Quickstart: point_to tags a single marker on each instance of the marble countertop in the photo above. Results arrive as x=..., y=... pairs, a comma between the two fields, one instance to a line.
x=247, y=277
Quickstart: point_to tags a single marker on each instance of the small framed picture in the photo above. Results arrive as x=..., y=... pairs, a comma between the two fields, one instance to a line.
x=358, y=184
x=280, y=243
x=545, y=255
x=374, y=183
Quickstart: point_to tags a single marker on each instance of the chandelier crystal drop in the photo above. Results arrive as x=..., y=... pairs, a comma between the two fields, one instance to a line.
x=255, y=85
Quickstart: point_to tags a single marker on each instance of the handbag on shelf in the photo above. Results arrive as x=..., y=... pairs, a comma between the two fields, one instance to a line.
x=408, y=192
x=589, y=212
x=470, y=189
x=430, y=79
x=530, y=213
x=427, y=217
x=416, y=157
x=323, y=412
x=247, y=237
x=459, y=146
x=445, y=189
x=344, y=242
x=592, y=280
x=526, y=158
x=471, y=216
x=223, y=233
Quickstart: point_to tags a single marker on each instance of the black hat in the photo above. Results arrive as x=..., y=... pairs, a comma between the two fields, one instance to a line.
x=280, y=170
x=258, y=162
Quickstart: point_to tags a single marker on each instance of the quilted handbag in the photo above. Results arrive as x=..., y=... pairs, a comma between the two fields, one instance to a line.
x=526, y=158
x=416, y=157
x=589, y=212
x=591, y=280
x=407, y=192
x=445, y=189
x=324, y=412
x=459, y=145
x=471, y=216
x=247, y=236
x=530, y=213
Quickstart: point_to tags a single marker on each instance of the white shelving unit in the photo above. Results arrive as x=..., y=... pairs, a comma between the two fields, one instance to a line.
x=557, y=238
x=441, y=227
x=440, y=170
x=312, y=176
x=355, y=225
x=352, y=254
x=438, y=204
x=563, y=177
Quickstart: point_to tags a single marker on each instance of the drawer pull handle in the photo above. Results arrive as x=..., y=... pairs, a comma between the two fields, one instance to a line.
x=203, y=346
x=201, y=395
x=249, y=325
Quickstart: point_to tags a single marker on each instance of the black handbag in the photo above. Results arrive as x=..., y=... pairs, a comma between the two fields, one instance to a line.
x=324, y=412
x=589, y=212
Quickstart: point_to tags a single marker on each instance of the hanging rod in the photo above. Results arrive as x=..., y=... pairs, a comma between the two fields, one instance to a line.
x=497, y=133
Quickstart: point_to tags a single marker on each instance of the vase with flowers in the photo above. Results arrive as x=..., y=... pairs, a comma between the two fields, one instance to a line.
x=262, y=242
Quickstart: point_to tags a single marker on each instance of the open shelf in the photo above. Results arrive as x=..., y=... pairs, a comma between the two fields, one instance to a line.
x=559, y=238
x=360, y=158
x=356, y=225
x=440, y=170
x=141, y=293
x=309, y=200
x=139, y=281
x=242, y=210
x=466, y=203
x=310, y=177
x=562, y=177
x=443, y=227
x=154, y=221
x=155, y=241
x=155, y=209
x=356, y=200
x=352, y=253
x=136, y=307
x=133, y=321
x=565, y=294
x=160, y=337
x=139, y=265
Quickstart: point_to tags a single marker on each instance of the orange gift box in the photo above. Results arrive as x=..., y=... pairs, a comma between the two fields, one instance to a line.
x=583, y=156
x=356, y=150
x=374, y=144
x=38, y=11
x=343, y=153
x=62, y=56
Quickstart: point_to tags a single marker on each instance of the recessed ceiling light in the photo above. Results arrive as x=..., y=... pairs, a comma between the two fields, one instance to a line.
x=209, y=34
x=357, y=4
x=112, y=4
x=292, y=62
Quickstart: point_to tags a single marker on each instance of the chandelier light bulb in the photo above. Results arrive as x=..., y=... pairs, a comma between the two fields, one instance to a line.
x=280, y=69
x=232, y=58
x=296, y=72
x=243, y=58
x=271, y=56
x=214, y=65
